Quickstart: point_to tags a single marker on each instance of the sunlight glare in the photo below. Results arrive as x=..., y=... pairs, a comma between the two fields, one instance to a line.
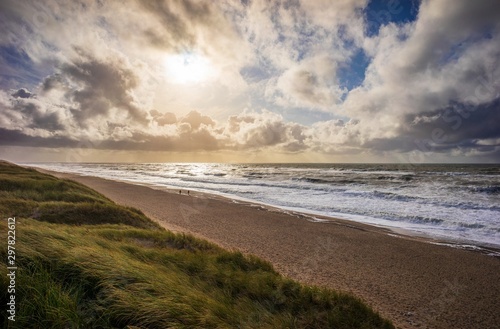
x=188, y=68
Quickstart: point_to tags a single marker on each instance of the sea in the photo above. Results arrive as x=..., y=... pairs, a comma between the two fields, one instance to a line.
x=458, y=203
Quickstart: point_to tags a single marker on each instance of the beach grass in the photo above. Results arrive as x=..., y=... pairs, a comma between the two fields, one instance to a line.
x=86, y=262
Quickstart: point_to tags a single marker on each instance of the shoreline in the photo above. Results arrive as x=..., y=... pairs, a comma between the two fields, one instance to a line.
x=414, y=283
x=469, y=245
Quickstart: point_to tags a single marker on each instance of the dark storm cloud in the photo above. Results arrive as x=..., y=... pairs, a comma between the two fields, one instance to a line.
x=458, y=126
x=22, y=93
x=459, y=122
x=101, y=86
x=199, y=140
x=36, y=117
x=187, y=141
x=10, y=137
x=21, y=110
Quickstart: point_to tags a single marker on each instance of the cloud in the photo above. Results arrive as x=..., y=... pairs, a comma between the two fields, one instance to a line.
x=22, y=93
x=12, y=137
x=163, y=119
x=183, y=23
x=311, y=83
x=457, y=124
x=29, y=122
x=37, y=117
x=52, y=82
x=445, y=60
x=31, y=117
x=299, y=47
x=330, y=15
x=444, y=23
x=251, y=130
x=97, y=87
x=73, y=71
x=196, y=120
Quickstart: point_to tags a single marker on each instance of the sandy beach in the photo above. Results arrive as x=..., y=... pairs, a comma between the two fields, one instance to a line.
x=411, y=281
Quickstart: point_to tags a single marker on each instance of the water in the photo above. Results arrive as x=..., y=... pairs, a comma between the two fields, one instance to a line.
x=453, y=202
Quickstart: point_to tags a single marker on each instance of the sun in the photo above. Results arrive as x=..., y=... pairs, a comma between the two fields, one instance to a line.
x=188, y=68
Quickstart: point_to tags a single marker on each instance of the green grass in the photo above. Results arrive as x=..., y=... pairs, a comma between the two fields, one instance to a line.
x=85, y=262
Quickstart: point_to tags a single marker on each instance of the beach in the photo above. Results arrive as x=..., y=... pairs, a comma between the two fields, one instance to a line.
x=414, y=282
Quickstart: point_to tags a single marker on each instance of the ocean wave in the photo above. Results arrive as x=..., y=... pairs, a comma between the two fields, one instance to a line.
x=450, y=204
x=472, y=225
x=255, y=174
x=311, y=180
x=425, y=220
x=333, y=181
x=395, y=196
x=460, y=201
x=405, y=178
x=252, y=176
x=221, y=183
x=491, y=189
x=215, y=174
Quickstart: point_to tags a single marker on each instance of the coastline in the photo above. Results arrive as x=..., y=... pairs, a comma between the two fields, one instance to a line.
x=470, y=245
x=412, y=281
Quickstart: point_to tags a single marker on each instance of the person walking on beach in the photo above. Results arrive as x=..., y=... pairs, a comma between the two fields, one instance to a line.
x=180, y=191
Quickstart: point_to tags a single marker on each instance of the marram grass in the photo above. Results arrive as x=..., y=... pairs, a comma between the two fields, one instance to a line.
x=85, y=262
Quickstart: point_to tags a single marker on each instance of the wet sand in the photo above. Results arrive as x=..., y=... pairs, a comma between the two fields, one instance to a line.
x=414, y=283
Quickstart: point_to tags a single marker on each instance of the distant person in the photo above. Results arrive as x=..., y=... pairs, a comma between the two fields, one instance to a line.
x=180, y=192
x=188, y=192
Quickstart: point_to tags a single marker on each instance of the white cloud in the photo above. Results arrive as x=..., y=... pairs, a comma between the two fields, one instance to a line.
x=311, y=83
x=442, y=59
x=332, y=14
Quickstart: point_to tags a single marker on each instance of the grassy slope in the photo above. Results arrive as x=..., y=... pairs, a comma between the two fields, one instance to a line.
x=85, y=262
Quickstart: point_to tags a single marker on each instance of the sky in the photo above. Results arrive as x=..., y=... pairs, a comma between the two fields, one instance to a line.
x=250, y=81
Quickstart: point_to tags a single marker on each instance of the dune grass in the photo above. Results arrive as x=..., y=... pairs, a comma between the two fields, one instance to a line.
x=85, y=262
